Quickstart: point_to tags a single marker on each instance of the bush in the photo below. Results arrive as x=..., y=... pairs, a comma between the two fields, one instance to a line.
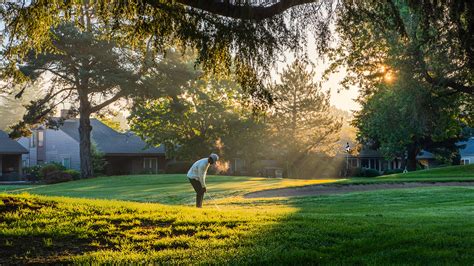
x=33, y=172
x=73, y=173
x=364, y=172
x=180, y=167
x=392, y=171
x=98, y=161
x=50, y=168
x=371, y=173
x=57, y=176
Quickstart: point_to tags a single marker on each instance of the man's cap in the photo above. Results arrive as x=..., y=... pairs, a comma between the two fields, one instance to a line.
x=214, y=157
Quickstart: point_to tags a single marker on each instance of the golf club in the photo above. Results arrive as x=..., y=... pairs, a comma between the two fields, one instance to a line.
x=212, y=199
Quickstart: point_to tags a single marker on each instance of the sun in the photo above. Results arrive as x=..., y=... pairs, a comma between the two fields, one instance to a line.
x=389, y=77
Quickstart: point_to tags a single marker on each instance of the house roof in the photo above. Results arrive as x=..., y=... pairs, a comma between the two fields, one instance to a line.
x=369, y=153
x=110, y=141
x=9, y=146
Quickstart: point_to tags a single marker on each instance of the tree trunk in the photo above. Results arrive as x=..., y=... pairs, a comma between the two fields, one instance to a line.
x=411, y=158
x=85, y=129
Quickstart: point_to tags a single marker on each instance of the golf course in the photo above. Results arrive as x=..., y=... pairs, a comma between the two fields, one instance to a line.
x=150, y=219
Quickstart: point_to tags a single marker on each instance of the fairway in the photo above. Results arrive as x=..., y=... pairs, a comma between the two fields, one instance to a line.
x=413, y=226
x=168, y=189
x=425, y=225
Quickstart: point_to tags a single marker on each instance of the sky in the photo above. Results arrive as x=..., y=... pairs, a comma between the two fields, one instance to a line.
x=341, y=98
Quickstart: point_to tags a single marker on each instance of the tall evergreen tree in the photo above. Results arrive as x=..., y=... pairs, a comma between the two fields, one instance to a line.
x=301, y=122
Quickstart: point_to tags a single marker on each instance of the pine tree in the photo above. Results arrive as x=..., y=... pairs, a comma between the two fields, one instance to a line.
x=301, y=122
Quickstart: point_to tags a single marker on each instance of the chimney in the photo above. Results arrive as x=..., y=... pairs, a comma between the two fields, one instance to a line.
x=66, y=114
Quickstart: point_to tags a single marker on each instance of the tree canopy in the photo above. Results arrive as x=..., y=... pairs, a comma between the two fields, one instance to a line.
x=239, y=42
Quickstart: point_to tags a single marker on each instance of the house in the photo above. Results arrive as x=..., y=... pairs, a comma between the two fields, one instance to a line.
x=372, y=159
x=467, y=153
x=10, y=158
x=125, y=153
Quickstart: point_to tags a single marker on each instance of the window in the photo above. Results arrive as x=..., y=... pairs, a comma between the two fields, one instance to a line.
x=33, y=140
x=365, y=163
x=40, y=138
x=465, y=161
x=150, y=165
x=67, y=163
x=353, y=162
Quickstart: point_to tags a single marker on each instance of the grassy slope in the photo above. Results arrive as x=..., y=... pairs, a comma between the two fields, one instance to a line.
x=409, y=226
x=169, y=189
x=413, y=226
x=445, y=174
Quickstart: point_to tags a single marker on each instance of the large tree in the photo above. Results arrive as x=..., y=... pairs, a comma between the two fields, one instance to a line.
x=246, y=37
x=437, y=38
x=208, y=116
x=12, y=109
x=301, y=122
x=90, y=73
x=404, y=117
x=420, y=50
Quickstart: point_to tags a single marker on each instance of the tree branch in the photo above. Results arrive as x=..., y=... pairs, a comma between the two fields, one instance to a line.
x=246, y=12
x=107, y=102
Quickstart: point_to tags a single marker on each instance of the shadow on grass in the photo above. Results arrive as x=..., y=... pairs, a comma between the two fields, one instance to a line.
x=419, y=226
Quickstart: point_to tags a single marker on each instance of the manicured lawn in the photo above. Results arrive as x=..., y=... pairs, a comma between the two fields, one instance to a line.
x=169, y=189
x=445, y=174
x=411, y=226
x=429, y=226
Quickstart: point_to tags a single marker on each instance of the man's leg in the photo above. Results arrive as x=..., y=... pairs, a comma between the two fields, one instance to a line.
x=199, y=192
x=199, y=197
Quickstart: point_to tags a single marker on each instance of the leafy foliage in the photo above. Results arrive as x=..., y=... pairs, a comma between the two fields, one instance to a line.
x=246, y=45
x=208, y=116
x=415, y=75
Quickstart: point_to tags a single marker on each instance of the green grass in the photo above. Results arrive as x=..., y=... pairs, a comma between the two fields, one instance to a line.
x=411, y=226
x=432, y=226
x=168, y=189
x=446, y=174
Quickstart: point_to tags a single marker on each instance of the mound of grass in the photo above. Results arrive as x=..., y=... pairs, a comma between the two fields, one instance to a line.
x=168, y=189
x=461, y=173
x=414, y=226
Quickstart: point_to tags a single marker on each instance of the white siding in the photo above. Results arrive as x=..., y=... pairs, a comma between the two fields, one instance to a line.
x=59, y=145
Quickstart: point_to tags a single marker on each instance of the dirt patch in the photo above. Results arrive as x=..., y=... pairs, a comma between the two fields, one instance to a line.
x=315, y=190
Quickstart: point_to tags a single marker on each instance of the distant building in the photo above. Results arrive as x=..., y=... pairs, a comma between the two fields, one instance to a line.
x=10, y=158
x=372, y=159
x=467, y=153
x=125, y=153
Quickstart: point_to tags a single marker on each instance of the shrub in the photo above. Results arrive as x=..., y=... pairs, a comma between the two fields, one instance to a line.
x=73, y=173
x=364, y=172
x=371, y=173
x=180, y=167
x=49, y=168
x=57, y=176
x=32, y=172
x=392, y=171
x=98, y=161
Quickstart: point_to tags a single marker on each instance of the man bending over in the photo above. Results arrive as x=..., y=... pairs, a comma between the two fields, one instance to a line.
x=197, y=176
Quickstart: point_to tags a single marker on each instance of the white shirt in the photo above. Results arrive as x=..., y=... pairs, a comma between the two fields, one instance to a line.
x=198, y=171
